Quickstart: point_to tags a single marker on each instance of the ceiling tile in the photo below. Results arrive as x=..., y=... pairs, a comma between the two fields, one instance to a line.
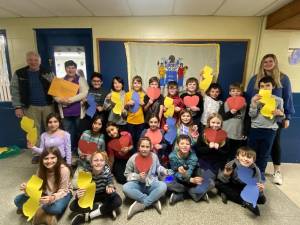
x=25, y=8
x=151, y=7
x=107, y=7
x=242, y=7
x=63, y=8
x=192, y=7
x=5, y=14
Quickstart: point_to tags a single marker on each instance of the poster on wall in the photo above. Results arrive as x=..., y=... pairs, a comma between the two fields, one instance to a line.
x=170, y=61
x=294, y=56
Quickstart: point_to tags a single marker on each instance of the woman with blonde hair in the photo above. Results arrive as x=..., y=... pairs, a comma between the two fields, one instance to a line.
x=269, y=67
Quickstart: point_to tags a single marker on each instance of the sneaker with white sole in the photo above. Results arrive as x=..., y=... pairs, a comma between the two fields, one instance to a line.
x=174, y=198
x=135, y=208
x=80, y=219
x=205, y=197
x=277, y=178
x=114, y=214
x=157, y=206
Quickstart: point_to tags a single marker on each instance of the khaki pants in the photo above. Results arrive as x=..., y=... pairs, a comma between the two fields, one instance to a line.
x=39, y=115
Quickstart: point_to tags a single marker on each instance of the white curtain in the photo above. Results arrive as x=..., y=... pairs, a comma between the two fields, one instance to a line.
x=143, y=58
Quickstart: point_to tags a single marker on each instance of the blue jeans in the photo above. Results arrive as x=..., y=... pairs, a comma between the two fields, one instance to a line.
x=145, y=194
x=261, y=140
x=71, y=125
x=56, y=208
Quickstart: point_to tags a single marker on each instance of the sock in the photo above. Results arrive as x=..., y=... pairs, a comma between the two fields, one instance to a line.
x=95, y=212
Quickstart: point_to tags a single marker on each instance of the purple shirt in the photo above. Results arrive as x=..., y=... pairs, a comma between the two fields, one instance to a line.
x=62, y=142
x=74, y=108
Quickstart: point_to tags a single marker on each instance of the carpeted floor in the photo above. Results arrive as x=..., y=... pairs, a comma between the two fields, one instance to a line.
x=279, y=209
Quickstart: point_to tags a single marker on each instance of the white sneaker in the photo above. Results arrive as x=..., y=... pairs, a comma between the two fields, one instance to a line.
x=277, y=178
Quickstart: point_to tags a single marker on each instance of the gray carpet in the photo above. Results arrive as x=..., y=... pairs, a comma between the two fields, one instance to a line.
x=279, y=210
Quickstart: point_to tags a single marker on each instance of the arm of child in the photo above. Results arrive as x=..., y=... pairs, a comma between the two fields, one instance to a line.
x=130, y=173
x=67, y=148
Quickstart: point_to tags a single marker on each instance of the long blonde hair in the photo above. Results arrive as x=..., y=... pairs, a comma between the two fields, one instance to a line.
x=276, y=74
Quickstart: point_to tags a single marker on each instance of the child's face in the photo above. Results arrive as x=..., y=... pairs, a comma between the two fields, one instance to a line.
x=112, y=131
x=235, y=92
x=145, y=148
x=192, y=87
x=53, y=124
x=96, y=126
x=244, y=159
x=50, y=161
x=153, y=123
x=185, y=118
x=153, y=84
x=137, y=86
x=265, y=86
x=214, y=93
x=71, y=70
x=215, y=123
x=172, y=90
x=184, y=146
x=96, y=82
x=269, y=64
x=117, y=85
x=98, y=162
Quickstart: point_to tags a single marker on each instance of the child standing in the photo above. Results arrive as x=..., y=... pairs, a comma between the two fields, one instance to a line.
x=231, y=186
x=192, y=92
x=117, y=86
x=263, y=129
x=212, y=154
x=187, y=176
x=135, y=120
x=142, y=172
x=234, y=120
x=211, y=102
x=106, y=199
x=54, y=137
x=56, y=188
x=119, y=150
x=153, y=106
x=156, y=136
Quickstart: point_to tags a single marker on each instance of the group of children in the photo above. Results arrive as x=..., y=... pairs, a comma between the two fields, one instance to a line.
x=132, y=146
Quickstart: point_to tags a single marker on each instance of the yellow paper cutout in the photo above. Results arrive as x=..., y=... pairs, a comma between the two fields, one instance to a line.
x=118, y=108
x=32, y=136
x=3, y=149
x=265, y=93
x=116, y=98
x=27, y=123
x=85, y=182
x=207, y=78
x=63, y=88
x=33, y=191
x=269, y=103
x=169, y=104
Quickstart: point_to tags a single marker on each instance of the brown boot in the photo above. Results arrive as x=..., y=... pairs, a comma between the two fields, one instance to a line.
x=50, y=219
x=39, y=217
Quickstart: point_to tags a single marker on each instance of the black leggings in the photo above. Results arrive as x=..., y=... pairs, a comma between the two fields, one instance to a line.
x=119, y=169
x=109, y=202
x=276, y=149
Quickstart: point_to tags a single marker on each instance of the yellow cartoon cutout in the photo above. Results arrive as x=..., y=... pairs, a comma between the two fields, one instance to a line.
x=116, y=98
x=269, y=103
x=207, y=78
x=170, y=108
x=27, y=125
x=85, y=182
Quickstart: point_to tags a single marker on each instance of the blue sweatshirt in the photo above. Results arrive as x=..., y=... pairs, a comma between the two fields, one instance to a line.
x=285, y=92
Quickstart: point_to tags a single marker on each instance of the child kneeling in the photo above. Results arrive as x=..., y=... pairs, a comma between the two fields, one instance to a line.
x=231, y=185
x=142, y=172
x=106, y=199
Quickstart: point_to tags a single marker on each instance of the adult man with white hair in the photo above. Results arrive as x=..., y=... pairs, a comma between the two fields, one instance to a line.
x=29, y=88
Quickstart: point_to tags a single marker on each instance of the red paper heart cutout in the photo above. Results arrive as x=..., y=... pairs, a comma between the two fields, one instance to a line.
x=153, y=93
x=217, y=136
x=155, y=136
x=143, y=164
x=124, y=141
x=190, y=101
x=236, y=103
x=87, y=147
x=115, y=145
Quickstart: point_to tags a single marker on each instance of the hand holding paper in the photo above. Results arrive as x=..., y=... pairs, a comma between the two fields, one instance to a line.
x=27, y=125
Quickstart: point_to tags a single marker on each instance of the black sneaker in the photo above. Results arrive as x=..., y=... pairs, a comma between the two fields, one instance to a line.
x=262, y=199
x=175, y=198
x=249, y=206
x=224, y=198
x=205, y=197
x=80, y=219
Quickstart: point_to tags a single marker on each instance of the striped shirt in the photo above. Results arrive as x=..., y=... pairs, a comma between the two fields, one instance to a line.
x=104, y=179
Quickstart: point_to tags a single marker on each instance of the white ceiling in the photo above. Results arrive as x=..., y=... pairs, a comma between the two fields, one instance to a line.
x=55, y=8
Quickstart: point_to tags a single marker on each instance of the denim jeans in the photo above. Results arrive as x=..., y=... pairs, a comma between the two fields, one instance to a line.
x=145, y=194
x=56, y=208
x=261, y=140
x=71, y=125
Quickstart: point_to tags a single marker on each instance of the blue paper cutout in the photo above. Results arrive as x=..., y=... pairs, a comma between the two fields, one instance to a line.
x=203, y=187
x=136, y=98
x=169, y=179
x=91, y=110
x=171, y=134
x=250, y=193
